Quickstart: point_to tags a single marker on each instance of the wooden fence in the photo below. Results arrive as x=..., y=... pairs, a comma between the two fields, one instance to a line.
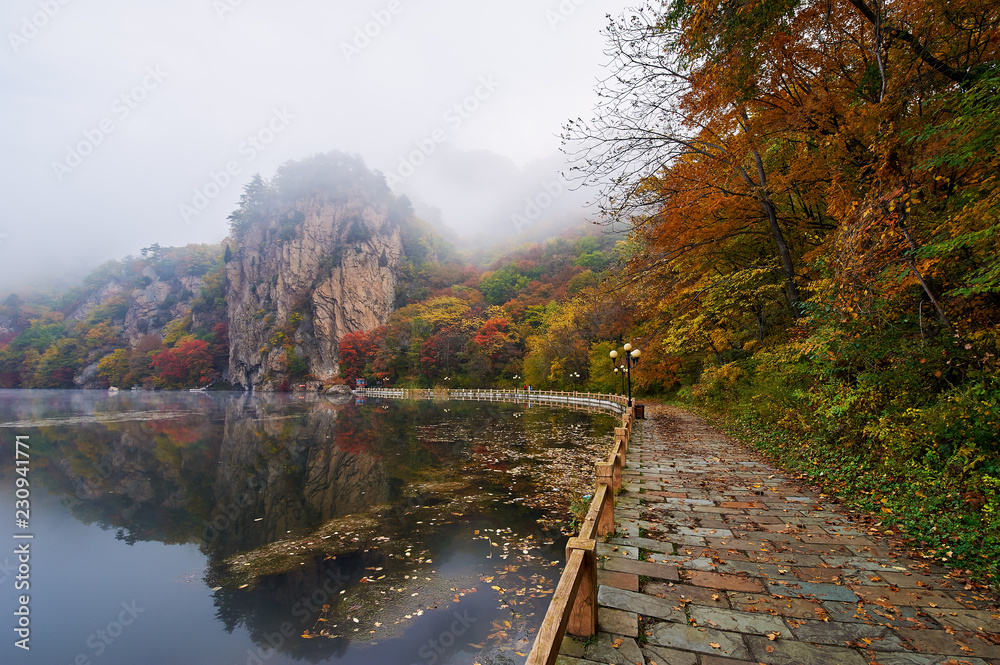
x=573, y=608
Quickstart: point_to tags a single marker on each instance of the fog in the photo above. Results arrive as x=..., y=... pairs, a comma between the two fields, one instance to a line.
x=132, y=123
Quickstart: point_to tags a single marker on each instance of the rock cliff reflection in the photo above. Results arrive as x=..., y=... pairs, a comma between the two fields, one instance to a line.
x=329, y=526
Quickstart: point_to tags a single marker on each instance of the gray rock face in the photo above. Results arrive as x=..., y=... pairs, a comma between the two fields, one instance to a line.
x=106, y=293
x=298, y=283
x=88, y=379
x=149, y=309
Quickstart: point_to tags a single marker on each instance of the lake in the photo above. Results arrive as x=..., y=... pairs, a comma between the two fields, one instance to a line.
x=233, y=529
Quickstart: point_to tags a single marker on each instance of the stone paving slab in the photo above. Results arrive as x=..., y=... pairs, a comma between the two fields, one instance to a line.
x=618, y=622
x=720, y=559
x=643, y=604
x=627, y=581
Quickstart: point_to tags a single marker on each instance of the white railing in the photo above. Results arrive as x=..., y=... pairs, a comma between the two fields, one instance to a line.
x=613, y=403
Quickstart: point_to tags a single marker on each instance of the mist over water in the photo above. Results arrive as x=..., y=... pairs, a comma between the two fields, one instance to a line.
x=224, y=528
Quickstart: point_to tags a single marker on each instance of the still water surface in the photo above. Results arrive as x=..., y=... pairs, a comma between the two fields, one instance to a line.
x=232, y=529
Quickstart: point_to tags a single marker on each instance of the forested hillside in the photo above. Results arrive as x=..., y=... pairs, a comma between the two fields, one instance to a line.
x=812, y=193
x=326, y=277
x=157, y=320
x=537, y=315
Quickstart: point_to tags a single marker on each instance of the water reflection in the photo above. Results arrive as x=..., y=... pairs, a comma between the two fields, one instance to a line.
x=330, y=527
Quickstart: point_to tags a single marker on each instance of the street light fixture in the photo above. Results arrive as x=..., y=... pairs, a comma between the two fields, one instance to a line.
x=631, y=360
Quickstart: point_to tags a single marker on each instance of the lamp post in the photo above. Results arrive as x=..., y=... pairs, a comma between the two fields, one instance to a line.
x=517, y=377
x=574, y=378
x=631, y=360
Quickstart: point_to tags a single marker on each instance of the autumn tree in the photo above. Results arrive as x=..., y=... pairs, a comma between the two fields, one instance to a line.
x=189, y=364
x=691, y=171
x=357, y=350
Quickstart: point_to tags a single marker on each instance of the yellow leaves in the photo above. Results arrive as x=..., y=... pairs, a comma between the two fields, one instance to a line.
x=440, y=312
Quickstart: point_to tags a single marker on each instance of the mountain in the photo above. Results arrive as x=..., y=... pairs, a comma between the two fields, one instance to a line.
x=317, y=255
x=327, y=276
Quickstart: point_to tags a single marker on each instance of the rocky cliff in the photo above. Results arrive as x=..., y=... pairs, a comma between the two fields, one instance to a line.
x=318, y=251
x=159, y=302
x=140, y=299
x=314, y=253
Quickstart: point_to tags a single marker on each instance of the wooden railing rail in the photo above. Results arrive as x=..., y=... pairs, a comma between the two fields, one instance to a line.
x=575, y=612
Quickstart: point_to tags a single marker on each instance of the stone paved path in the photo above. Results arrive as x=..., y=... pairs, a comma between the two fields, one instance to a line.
x=723, y=561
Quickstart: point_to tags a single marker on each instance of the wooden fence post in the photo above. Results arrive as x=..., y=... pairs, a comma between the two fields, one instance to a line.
x=605, y=472
x=619, y=462
x=621, y=434
x=583, y=617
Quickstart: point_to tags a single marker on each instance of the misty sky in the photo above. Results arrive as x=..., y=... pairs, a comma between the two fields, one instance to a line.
x=126, y=123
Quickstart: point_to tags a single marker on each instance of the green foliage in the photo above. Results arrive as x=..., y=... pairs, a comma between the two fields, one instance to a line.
x=502, y=285
x=57, y=366
x=288, y=227
x=112, y=310
x=210, y=305
x=602, y=377
x=115, y=367
x=297, y=368
x=253, y=205
x=897, y=425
